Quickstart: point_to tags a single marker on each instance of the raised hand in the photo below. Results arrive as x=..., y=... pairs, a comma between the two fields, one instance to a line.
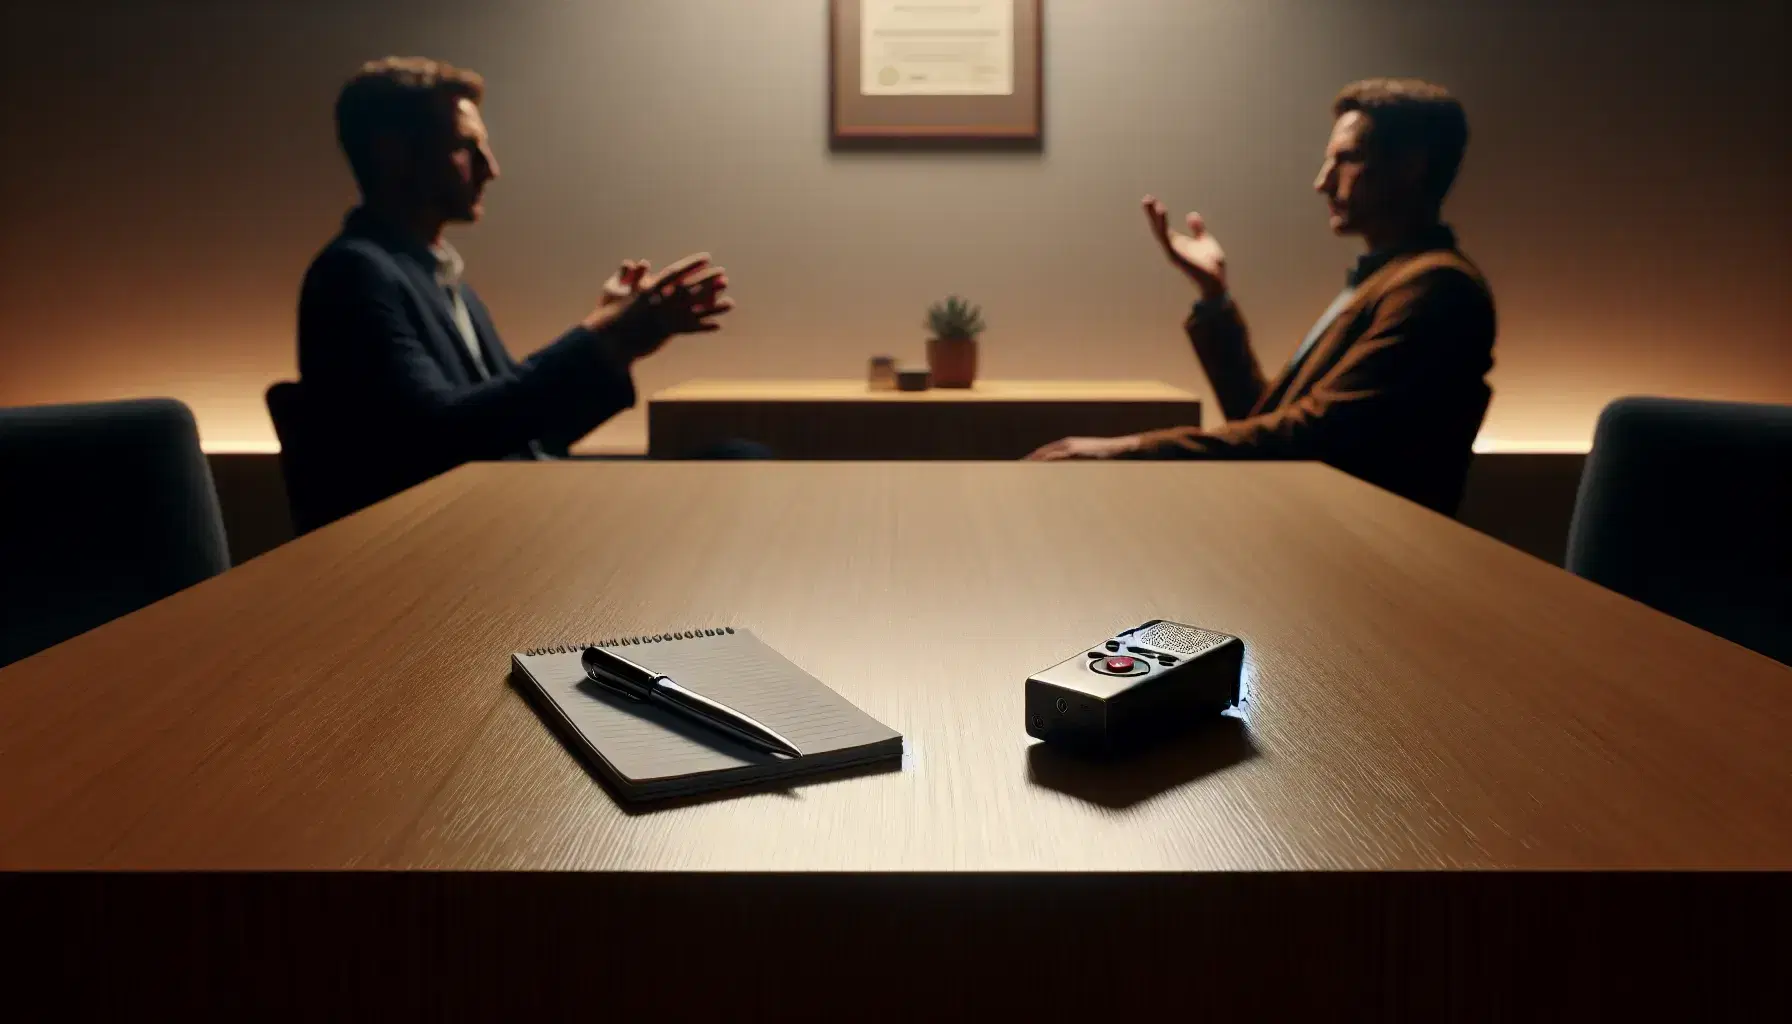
x=686, y=296
x=1197, y=254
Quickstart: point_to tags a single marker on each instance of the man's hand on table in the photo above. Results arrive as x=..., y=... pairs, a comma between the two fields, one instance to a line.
x=1068, y=448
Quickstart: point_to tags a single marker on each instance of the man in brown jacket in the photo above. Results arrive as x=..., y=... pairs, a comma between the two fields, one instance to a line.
x=1389, y=385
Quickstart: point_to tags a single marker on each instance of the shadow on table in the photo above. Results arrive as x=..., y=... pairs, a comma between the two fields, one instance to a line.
x=1120, y=782
x=786, y=787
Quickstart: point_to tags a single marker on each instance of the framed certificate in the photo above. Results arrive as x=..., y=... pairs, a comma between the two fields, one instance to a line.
x=966, y=71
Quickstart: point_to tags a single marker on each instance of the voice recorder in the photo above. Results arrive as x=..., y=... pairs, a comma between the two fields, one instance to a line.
x=1135, y=687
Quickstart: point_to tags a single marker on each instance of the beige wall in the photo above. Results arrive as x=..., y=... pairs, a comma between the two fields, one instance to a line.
x=170, y=169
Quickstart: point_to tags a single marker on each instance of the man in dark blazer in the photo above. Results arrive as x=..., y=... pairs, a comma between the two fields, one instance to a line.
x=402, y=372
x=1389, y=385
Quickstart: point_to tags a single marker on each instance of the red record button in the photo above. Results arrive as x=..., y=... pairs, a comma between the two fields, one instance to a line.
x=1119, y=664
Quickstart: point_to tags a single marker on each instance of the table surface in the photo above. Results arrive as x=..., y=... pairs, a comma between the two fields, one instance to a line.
x=1421, y=696
x=982, y=391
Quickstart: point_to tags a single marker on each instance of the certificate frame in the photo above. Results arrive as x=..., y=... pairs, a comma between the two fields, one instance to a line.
x=1010, y=121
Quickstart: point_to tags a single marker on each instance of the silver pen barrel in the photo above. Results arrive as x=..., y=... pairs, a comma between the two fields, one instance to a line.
x=723, y=717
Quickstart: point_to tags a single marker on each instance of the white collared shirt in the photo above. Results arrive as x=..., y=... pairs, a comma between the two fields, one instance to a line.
x=449, y=267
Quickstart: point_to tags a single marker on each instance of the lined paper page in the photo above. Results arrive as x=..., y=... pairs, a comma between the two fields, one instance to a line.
x=643, y=742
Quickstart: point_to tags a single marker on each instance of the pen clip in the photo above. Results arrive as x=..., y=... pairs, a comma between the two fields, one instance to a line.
x=613, y=686
x=612, y=672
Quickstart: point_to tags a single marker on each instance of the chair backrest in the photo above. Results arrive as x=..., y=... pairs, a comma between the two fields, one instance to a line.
x=1451, y=504
x=299, y=453
x=1686, y=506
x=106, y=507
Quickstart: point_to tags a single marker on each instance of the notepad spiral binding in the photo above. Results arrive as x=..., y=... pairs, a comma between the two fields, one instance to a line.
x=624, y=641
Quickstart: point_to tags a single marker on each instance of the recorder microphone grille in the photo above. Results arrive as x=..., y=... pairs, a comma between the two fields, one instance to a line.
x=1183, y=640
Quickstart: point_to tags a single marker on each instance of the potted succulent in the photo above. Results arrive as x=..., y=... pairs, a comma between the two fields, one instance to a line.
x=952, y=345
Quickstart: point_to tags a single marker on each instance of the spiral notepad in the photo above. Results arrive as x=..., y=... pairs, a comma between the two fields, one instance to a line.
x=644, y=752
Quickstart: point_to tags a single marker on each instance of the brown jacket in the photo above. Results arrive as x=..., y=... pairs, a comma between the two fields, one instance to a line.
x=1393, y=392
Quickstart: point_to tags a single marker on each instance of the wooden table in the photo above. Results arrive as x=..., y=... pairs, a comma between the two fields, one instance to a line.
x=845, y=419
x=1422, y=697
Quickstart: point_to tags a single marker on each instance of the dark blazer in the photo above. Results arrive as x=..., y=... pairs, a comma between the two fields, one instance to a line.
x=391, y=392
x=1393, y=391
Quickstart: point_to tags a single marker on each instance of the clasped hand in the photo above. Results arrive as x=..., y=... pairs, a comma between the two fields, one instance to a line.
x=684, y=298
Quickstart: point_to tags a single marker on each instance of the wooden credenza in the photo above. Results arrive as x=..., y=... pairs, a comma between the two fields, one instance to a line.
x=845, y=419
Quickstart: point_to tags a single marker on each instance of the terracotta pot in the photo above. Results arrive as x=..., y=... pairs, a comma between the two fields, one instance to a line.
x=952, y=362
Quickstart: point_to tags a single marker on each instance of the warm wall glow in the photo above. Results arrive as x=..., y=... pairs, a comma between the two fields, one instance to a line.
x=240, y=447
x=1491, y=445
x=1498, y=447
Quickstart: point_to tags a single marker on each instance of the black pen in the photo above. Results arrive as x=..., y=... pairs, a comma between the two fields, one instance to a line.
x=610, y=669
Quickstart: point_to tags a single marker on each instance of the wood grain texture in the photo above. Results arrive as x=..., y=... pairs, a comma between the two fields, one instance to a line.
x=844, y=419
x=1421, y=696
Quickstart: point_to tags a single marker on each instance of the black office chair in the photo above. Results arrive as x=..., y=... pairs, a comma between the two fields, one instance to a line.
x=299, y=453
x=107, y=507
x=1687, y=507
